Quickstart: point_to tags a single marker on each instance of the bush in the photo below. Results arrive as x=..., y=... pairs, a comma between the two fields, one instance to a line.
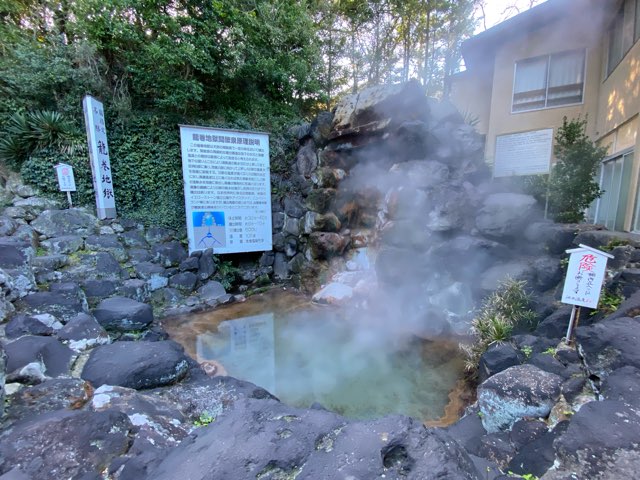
x=499, y=314
x=38, y=171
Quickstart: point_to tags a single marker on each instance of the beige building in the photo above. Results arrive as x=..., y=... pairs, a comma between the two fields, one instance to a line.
x=573, y=58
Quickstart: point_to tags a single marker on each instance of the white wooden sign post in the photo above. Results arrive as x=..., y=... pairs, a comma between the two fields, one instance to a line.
x=66, y=180
x=582, y=285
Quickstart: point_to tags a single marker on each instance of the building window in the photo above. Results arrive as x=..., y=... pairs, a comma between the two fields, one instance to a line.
x=549, y=81
x=623, y=33
x=614, y=180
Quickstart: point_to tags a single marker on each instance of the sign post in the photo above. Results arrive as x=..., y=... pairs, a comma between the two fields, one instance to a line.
x=582, y=285
x=227, y=189
x=99, y=154
x=66, y=180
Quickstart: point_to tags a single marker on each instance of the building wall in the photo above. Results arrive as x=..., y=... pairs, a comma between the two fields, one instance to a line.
x=554, y=38
x=617, y=123
x=471, y=94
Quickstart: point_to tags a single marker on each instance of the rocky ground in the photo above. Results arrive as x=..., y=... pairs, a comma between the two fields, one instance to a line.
x=94, y=389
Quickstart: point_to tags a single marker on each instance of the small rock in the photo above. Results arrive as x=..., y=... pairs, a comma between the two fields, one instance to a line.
x=136, y=365
x=123, y=314
x=83, y=332
x=55, y=356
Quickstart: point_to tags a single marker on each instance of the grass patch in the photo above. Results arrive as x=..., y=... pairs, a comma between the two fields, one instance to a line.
x=500, y=313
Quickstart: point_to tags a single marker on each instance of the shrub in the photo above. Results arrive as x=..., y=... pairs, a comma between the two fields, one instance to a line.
x=500, y=312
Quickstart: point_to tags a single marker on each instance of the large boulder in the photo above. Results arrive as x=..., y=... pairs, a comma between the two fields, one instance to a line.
x=285, y=442
x=515, y=393
x=136, y=364
x=376, y=108
x=65, y=444
x=505, y=214
x=123, y=314
x=72, y=221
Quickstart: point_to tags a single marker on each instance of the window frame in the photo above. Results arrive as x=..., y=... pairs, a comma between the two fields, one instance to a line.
x=618, y=22
x=548, y=57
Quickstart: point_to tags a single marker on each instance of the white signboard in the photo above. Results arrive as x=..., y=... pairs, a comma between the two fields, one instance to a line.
x=527, y=153
x=227, y=189
x=66, y=180
x=585, y=275
x=99, y=153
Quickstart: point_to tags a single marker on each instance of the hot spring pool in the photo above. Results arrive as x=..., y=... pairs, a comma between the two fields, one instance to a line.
x=304, y=353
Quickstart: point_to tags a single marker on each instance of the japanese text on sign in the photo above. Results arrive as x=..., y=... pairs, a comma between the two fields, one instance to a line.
x=585, y=275
x=526, y=153
x=66, y=180
x=99, y=153
x=227, y=189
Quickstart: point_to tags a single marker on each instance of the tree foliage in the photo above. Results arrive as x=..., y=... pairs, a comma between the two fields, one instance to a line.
x=249, y=64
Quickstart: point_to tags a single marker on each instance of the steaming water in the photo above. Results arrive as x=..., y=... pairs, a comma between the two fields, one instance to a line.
x=304, y=354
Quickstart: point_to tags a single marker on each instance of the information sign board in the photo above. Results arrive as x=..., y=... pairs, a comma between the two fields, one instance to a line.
x=99, y=154
x=66, y=180
x=227, y=189
x=526, y=153
x=585, y=275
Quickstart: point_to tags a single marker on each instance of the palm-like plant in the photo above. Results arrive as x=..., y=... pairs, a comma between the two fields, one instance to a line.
x=29, y=132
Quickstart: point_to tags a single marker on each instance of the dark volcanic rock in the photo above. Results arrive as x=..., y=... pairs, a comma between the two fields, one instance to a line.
x=518, y=392
x=134, y=238
x=106, y=243
x=26, y=325
x=185, y=281
x=610, y=344
x=624, y=385
x=65, y=244
x=82, y=332
x=497, y=358
x=169, y=254
x=55, y=356
x=313, y=444
x=467, y=432
x=65, y=444
x=99, y=288
x=537, y=457
x=136, y=364
x=50, y=395
x=123, y=314
x=601, y=441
